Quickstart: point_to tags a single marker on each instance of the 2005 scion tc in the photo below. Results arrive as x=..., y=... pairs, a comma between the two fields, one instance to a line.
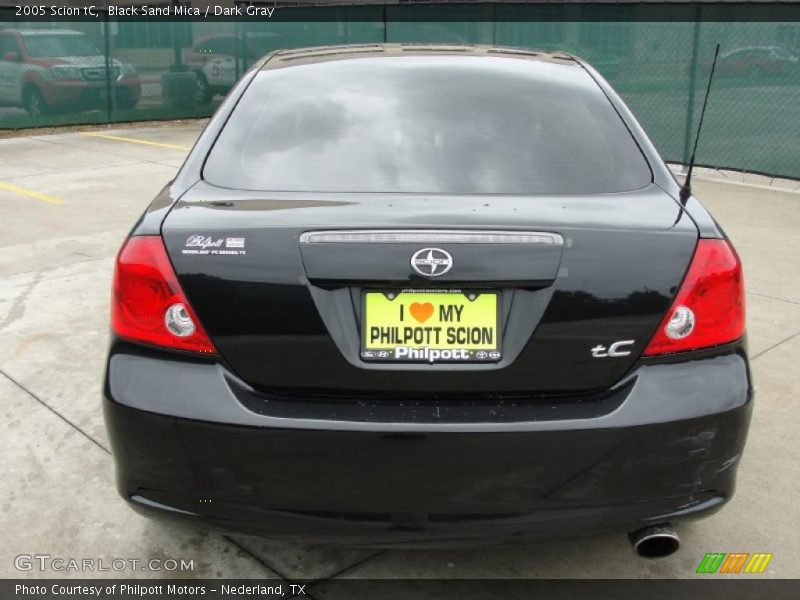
x=411, y=295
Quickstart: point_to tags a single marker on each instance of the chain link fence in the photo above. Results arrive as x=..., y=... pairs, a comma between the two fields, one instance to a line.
x=55, y=74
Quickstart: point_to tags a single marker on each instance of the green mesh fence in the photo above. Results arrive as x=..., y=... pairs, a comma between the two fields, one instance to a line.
x=84, y=72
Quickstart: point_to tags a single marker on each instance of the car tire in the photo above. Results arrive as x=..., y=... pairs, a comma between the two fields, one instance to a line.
x=33, y=101
x=203, y=90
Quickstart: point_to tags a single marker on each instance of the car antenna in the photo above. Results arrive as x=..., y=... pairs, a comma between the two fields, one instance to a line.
x=686, y=188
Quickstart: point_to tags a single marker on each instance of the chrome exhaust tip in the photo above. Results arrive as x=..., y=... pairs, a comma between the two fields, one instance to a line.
x=655, y=541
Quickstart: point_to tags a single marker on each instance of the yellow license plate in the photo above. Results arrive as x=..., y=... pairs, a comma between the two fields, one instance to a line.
x=430, y=326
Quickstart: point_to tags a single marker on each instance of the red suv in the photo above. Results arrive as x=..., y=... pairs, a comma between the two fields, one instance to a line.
x=49, y=70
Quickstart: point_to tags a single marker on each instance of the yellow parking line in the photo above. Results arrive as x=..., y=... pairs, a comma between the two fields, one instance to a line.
x=133, y=140
x=30, y=193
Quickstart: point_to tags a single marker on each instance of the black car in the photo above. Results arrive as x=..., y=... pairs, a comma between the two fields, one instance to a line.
x=406, y=295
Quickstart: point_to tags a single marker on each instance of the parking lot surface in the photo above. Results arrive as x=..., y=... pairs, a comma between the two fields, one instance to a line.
x=66, y=203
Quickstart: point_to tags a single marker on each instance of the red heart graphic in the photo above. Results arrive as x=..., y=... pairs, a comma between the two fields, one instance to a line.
x=421, y=312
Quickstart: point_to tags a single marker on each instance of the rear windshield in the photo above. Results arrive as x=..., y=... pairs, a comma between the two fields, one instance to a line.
x=460, y=125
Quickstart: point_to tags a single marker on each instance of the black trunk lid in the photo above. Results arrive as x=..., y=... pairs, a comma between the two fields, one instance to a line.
x=285, y=311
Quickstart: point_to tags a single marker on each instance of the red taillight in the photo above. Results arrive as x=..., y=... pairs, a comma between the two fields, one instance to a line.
x=147, y=303
x=709, y=307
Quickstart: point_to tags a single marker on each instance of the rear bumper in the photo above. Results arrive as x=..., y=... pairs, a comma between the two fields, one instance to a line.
x=191, y=441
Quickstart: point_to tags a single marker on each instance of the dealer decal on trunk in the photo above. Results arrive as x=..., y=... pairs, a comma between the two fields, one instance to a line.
x=213, y=245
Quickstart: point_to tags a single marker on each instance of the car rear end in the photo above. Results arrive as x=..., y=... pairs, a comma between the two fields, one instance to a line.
x=448, y=298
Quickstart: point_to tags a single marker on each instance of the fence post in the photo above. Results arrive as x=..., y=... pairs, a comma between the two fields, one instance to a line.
x=107, y=40
x=385, y=25
x=493, y=8
x=687, y=136
x=177, y=57
x=237, y=48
